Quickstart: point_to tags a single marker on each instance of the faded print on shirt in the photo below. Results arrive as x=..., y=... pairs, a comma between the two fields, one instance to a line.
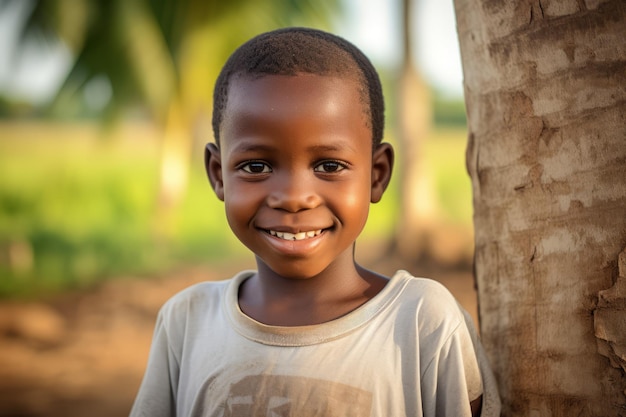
x=295, y=396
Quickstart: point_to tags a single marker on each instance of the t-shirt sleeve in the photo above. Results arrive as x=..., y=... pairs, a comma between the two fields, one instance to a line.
x=452, y=378
x=491, y=405
x=157, y=393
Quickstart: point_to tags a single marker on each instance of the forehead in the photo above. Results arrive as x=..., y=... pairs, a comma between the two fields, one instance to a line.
x=300, y=88
x=329, y=104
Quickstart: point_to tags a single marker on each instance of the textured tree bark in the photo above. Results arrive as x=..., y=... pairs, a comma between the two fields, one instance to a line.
x=545, y=88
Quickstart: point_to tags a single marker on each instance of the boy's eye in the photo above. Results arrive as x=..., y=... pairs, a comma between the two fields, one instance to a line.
x=256, y=167
x=329, y=166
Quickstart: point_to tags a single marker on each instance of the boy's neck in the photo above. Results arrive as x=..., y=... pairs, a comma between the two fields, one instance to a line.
x=275, y=300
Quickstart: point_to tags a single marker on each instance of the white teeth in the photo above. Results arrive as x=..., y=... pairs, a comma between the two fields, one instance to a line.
x=295, y=236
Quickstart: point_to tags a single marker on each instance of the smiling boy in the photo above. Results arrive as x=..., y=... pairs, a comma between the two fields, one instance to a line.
x=298, y=158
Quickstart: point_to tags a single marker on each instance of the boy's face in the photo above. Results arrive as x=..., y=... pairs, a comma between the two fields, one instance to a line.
x=295, y=169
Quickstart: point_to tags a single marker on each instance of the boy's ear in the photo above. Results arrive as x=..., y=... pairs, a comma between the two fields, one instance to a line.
x=382, y=165
x=213, y=166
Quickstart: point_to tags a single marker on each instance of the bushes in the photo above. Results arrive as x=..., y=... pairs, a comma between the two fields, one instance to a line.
x=76, y=208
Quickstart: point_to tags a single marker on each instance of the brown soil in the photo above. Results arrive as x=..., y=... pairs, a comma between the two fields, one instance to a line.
x=83, y=354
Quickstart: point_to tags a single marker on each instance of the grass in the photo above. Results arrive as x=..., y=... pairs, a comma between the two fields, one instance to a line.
x=77, y=208
x=445, y=156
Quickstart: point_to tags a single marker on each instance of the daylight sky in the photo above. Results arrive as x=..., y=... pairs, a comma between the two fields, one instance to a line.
x=371, y=24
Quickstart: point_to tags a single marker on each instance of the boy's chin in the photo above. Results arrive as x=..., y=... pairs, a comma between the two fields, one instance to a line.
x=293, y=270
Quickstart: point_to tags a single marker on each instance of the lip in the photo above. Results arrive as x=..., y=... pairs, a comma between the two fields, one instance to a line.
x=294, y=247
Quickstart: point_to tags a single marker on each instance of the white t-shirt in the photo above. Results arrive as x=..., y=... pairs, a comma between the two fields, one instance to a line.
x=405, y=352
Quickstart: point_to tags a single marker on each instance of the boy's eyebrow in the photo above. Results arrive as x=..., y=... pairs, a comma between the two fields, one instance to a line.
x=252, y=147
x=334, y=147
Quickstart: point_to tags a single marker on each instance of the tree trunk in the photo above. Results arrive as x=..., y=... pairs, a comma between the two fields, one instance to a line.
x=174, y=169
x=545, y=88
x=417, y=202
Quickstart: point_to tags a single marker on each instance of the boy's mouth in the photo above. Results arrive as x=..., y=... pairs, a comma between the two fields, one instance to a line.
x=295, y=236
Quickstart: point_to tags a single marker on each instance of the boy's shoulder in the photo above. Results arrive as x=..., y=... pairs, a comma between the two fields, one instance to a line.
x=431, y=302
x=426, y=290
x=203, y=296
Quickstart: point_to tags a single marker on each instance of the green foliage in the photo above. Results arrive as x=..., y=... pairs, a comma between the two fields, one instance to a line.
x=146, y=51
x=76, y=209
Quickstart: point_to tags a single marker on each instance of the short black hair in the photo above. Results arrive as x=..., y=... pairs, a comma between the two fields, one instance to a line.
x=294, y=50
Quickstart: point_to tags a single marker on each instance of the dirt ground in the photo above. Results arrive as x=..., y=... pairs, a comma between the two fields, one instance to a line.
x=83, y=354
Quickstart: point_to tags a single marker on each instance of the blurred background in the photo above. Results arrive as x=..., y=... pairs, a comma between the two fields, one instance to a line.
x=105, y=210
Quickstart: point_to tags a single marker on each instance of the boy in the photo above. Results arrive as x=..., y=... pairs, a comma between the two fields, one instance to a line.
x=298, y=122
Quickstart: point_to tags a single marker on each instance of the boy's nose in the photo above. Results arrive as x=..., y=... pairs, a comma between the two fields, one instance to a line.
x=293, y=193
